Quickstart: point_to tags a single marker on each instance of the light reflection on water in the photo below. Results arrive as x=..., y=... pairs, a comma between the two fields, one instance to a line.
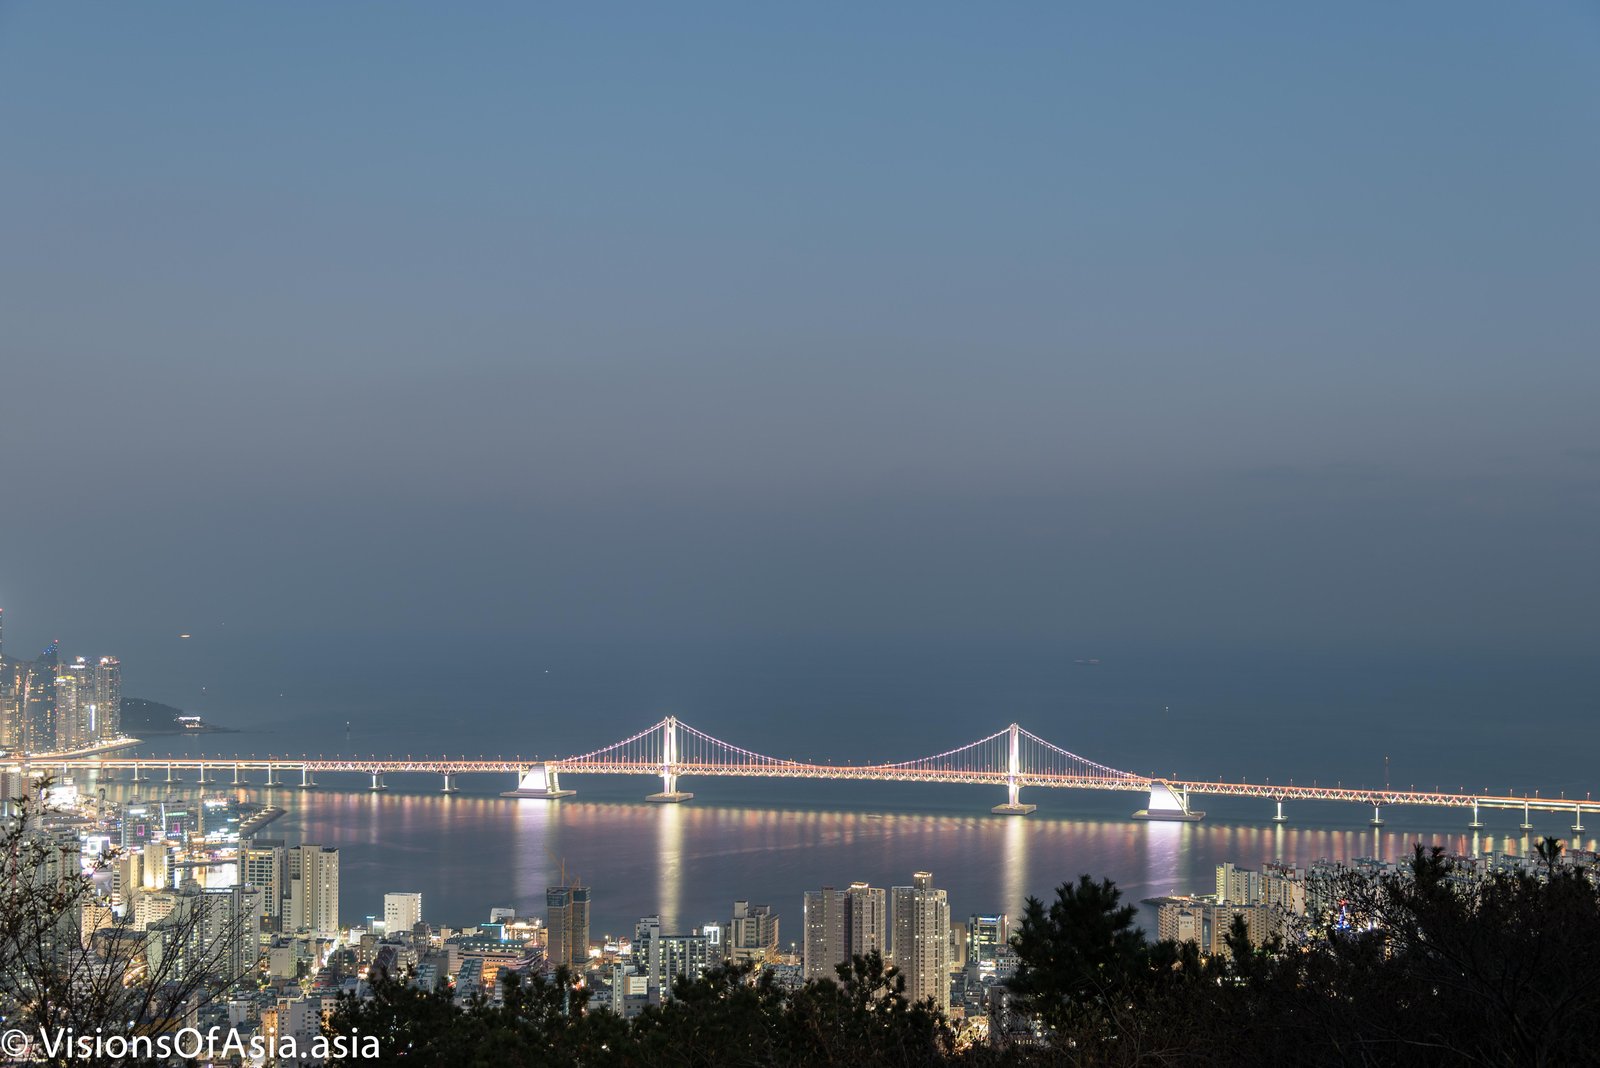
x=689, y=862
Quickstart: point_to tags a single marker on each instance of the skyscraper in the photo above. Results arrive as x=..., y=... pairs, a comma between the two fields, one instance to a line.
x=74, y=693
x=265, y=863
x=38, y=702
x=920, y=940
x=314, y=890
x=839, y=925
x=567, y=926
x=12, y=675
x=107, y=699
x=823, y=919
x=866, y=928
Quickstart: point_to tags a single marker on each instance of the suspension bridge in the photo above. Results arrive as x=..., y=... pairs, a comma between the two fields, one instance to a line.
x=671, y=750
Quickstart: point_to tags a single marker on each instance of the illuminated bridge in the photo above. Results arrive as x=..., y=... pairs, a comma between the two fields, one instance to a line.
x=1013, y=758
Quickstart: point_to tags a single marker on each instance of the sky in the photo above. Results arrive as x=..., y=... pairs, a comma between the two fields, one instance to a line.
x=1232, y=325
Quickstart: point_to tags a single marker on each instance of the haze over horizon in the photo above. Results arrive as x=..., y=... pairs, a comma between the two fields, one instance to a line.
x=1238, y=328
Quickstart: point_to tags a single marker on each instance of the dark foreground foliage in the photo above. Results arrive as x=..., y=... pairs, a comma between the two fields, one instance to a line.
x=1426, y=968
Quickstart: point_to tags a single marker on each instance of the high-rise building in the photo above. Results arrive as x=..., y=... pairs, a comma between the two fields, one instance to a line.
x=686, y=956
x=752, y=933
x=920, y=939
x=1239, y=886
x=37, y=702
x=866, y=926
x=986, y=936
x=567, y=926
x=646, y=950
x=74, y=693
x=108, y=698
x=12, y=676
x=841, y=924
x=314, y=890
x=823, y=920
x=230, y=928
x=401, y=912
x=265, y=863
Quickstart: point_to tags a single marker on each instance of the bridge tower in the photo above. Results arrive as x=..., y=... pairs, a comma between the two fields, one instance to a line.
x=670, y=794
x=1013, y=807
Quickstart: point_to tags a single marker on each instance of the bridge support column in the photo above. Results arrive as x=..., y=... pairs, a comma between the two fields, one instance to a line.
x=1527, y=822
x=1168, y=806
x=170, y=776
x=137, y=777
x=377, y=781
x=1476, y=824
x=542, y=781
x=238, y=780
x=670, y=794
x=450, y=786
x=1577, y=819
x=1377, y=816
x=1280, y=817
x=272, y=776
x=306, y=781
x=1013, y=807
x=206, y=776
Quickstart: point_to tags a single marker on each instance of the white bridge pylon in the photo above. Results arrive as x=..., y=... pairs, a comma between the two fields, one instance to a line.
x=1012, y=757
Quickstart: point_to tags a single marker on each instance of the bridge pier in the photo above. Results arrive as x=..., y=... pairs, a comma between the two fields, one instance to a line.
x=170, y=777
x=1377, y=816
x=238, y=780
x=1476, y=824
x=306, y=781
x=541, y=781
x=1577, y=819
x=137, y=777
x=1280, y=817
x=670, y=794
x=1013, y=807
x=1168, y=806
x=206, y=777
x=377, y=781
x=1527, y=823
x=272, y=776
x=450, y=786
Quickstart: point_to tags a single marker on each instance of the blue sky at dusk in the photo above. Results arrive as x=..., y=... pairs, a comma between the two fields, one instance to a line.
x=1247, y=323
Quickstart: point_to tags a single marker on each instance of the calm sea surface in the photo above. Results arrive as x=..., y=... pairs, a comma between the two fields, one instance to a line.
x=1504, y=723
